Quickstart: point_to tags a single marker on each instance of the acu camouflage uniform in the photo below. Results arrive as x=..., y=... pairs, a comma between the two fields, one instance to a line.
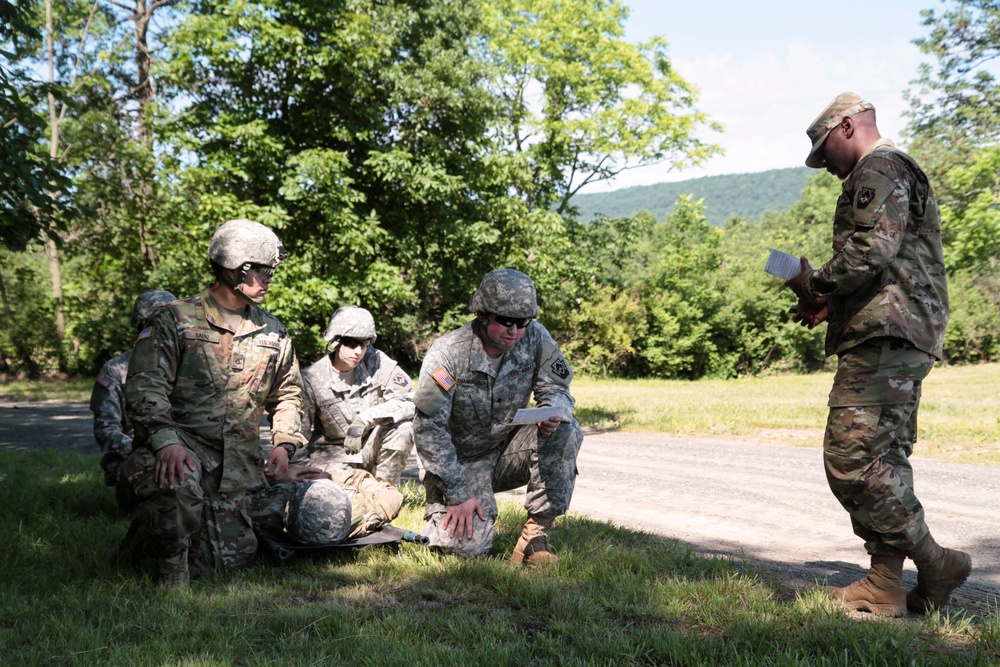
x=465, y=440
x=373, y=504
x=887, y=295
x=112, y=429
x=382, y=392
x=194, y=382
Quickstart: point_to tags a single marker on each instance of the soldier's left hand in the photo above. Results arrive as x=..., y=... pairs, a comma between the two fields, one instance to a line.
x=549, y=426
x=277, y=463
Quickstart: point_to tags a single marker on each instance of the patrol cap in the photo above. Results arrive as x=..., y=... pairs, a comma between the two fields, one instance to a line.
x=843, y=106
x=505, y=292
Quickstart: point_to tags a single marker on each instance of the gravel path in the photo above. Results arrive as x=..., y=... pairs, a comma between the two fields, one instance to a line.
x=765, y=504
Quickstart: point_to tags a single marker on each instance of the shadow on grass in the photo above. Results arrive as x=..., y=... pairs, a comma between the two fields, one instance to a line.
x=597, y=419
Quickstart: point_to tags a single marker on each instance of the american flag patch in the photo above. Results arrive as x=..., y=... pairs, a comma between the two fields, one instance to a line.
x=145, y=333
x=443, y=378
x=103, y=380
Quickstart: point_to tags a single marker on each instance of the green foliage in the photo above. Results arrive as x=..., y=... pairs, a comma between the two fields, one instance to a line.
x=971, y=223
x=952, y=101
x=973, y=333
x=26, y=341
x=746, y=196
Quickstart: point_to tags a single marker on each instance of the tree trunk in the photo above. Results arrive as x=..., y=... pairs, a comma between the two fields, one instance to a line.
x=145, y=92
x=51, y=250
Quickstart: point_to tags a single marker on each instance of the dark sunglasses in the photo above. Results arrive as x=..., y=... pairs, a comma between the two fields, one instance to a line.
x=265, y=272
x=508, y=322
x=354, y=342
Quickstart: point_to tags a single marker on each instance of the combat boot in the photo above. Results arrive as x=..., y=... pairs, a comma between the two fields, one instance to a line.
x=881, y=592
x=533, y=546
x=939, y=572
x=133, y=547
x=174, y=570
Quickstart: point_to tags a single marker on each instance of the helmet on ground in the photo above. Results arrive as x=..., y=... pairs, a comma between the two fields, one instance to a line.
x=318, y=513
x=147, y=304
x=351, y=322
x=240, y=242
x=506, y=292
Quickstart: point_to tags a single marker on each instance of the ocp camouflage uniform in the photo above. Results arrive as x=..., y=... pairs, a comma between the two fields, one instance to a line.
x=196, y=383
x=373, y=503
x=465, y=440
x=382, y=391
x=887, y=294
x=112, y=429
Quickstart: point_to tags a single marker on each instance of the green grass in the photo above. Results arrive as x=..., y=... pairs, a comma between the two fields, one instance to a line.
x=74, y=390
x=959, y=412
x=616, y=597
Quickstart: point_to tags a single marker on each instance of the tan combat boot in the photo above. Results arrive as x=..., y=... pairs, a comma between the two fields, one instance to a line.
x=939, y=572
x=533, y=546
x=881, y=592
x=174, y=571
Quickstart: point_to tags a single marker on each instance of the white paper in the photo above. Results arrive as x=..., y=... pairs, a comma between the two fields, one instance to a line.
x=783, y=265
x=534, y=415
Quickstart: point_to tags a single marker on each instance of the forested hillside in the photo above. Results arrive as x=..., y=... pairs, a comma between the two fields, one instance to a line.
x=400, y=149
x=741, y=195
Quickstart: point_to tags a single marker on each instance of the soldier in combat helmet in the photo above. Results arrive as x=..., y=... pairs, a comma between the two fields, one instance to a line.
x=112, y=429
x=200, y=378
x=884, y=295
x=472, y=382
x=358, y=402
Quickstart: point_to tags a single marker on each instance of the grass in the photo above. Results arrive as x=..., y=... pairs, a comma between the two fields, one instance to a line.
x=959, y=412
x=74, y=390
x=616, y=597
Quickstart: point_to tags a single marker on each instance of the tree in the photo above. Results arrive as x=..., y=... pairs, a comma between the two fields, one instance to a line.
x=953, y=100
x=27, y=175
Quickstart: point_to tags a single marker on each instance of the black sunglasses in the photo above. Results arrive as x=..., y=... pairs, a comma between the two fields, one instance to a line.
x=354, y=342
x=508, y=322
x=265, y=272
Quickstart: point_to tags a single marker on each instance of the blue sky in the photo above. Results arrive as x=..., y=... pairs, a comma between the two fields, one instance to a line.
x=766, y=69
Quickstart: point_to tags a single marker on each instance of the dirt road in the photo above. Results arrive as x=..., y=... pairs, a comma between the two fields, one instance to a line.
x=768, y=505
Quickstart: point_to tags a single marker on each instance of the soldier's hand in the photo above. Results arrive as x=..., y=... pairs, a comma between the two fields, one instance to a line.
x=170, y=464
x=458, y=519
x=795, y=283
x=277, y=464
x=810, y=313
x=549, y=426
x=355, y=435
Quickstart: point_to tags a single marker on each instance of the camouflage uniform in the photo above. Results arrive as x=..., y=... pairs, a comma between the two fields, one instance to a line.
x=382, y=392
x=112, y=429
x=464, y=439
x=887, y=295
x=196, y=383
x=373, y=504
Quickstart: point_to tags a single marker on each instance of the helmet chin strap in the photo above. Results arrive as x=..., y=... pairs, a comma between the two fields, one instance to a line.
x=238, y=287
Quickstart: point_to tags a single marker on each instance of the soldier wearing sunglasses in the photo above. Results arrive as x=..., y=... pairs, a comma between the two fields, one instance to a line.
x=358, y=402
x=472, y=382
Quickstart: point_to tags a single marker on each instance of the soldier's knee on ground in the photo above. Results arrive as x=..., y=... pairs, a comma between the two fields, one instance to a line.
x=469, y=547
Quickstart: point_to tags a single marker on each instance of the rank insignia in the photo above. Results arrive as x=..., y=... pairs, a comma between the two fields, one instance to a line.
x=443, y=378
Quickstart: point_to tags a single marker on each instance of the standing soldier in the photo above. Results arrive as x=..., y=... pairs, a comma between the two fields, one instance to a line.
x=112, y=429
x=472, y=382
x=201, y=376
x=885, y=295
x=358, y=402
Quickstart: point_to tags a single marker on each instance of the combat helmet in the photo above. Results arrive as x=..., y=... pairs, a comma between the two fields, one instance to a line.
x=351, y=322
x=506, y=292
x=146, y=304
x=239, y=242
x=318, y=513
